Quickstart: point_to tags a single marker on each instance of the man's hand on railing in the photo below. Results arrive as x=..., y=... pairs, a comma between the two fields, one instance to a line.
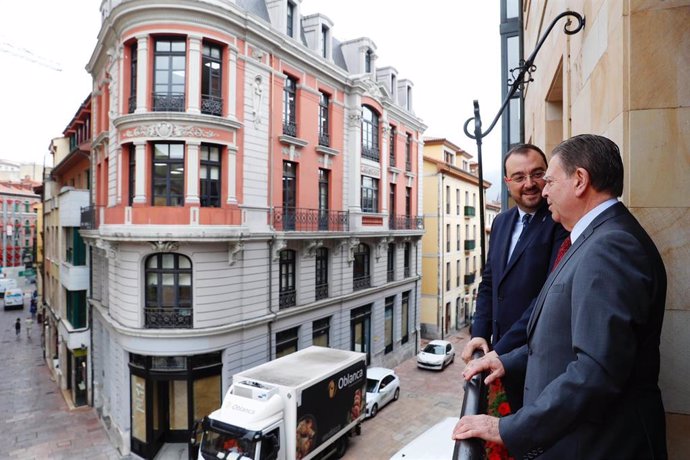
x=477, y=343
x=489, y=363
x=478, y=426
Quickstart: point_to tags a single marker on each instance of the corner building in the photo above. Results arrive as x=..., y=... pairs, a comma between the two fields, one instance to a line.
x=255, y=191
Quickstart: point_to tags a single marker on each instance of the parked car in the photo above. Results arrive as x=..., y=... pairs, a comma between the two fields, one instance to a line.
x=383, y=386
x=436, y=355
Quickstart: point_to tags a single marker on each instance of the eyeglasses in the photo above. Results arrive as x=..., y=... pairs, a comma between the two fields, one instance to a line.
x=520, y=178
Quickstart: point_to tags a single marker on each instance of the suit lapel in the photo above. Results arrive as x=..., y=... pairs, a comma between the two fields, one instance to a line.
x=532, y=229
x=503, y=242
x=591, y=228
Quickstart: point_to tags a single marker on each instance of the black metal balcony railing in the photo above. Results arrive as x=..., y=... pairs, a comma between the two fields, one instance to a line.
x=473, y=403
x=310, y=220
x=321, y=291
x=406, y=272
x=396, y=222
x=361, y=282
x=408, y=166
x=168, y=102
x=168, y=318
x=469, y=245
x=469, y=211
x=132, y=103
x=287, y=298
x=325, y=139
x=371, y=153
x=391, y=159
x=390, y=276
x=290, y=128
x=469, y=278
x=88, y=218
x=211, y=105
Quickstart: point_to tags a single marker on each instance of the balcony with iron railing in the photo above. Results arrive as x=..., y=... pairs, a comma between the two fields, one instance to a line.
x=88, y=218
x=470, y=211
x=473, y=403
x=398, y=222
x=132, y=103
x=470, y=245
x=168, y=102
x=324, y=139
x=310, y=220
x=371, y=153
x=287, y=298
x=290, y=128
x=321, y=291
x=361, y=282
x=211, y=105
x=168, y=318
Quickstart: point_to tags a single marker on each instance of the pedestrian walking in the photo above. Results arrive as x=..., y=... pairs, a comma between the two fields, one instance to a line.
x=29, y=325
x=34, y=308
x=18, y=327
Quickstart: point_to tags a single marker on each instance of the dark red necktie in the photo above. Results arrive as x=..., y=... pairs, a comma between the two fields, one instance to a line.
x=565, y=245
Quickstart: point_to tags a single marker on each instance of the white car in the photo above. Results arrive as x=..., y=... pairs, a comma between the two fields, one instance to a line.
x=436, y=355
x=383, y=386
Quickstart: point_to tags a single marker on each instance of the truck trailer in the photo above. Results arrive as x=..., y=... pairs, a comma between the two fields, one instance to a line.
x=301, y=406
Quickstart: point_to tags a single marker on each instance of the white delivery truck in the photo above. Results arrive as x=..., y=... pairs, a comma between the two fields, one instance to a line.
x=301, y=406
x=5, y=284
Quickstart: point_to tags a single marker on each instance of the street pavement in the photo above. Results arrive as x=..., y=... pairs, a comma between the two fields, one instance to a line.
x=38, y=424
x=426, y=398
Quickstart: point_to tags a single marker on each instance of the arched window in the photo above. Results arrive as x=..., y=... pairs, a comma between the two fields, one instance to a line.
x=168, y=291
x=370, y=133
x=361, y=276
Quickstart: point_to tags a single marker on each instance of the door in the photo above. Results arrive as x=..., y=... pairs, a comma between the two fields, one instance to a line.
x=289, y=194
x=323, y=199
x=361, y=332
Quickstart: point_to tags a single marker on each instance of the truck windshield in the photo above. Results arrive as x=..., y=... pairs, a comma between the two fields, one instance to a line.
x=222, y=441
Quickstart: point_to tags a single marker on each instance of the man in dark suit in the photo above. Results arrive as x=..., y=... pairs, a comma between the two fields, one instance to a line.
x=520, y=257
x=591, y=362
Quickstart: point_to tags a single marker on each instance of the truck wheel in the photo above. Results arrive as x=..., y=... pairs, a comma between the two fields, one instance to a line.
x=341, y=446
x=396, y=395
x=374, y=410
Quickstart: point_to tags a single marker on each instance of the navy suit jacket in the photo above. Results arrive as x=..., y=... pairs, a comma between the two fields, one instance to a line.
x=591, y=363
x=508, y=288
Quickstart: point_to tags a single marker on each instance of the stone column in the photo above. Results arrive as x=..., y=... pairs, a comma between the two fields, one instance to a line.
x=192, y=173
x=142, y=73
x=232, y=175
x=194, y=77
x=140, y=172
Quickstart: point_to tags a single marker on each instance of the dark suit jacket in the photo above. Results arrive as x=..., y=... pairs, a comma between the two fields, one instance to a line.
x=507, y=288
x=591, y=363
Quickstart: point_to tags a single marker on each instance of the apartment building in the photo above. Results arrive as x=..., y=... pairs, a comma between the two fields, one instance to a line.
x=255, y=190
x=451, y=253
x=65, y=281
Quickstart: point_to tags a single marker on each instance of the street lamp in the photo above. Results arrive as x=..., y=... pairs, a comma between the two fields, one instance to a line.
x=516, y=82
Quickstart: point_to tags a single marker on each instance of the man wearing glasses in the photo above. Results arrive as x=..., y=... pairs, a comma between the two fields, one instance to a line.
x=524, y=244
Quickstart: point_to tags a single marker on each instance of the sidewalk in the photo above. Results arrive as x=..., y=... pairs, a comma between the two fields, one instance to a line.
x=36, y=422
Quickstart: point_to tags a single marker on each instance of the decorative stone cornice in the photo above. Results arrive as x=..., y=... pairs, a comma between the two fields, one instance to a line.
x=166, y=129
x=312, y=246
x=165, y=246
x=235, y=249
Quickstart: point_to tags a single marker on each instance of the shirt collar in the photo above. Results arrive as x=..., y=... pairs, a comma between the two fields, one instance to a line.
x=588, y=218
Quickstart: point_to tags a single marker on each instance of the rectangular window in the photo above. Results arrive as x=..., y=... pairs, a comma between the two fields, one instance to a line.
x=209, y=175
x=457, y=236
x=404, y=317
x=76, y=308
x=289, y=194
x=75, y=249
x=324, y=103
x=447, y=199
x=324, y=187
x=370, y=194
x=132, y=174
x=168, y=174
x=324, y=41
x=408, y=152
x=169, y=75
x=286, y=287
x=447, y=276
x=407, y=261
x=408, y=201
x=321, y=273
x=289, y=107
x=321, y=332
x=447, y=237
x=370, y=134
x=457, y=201
x=457, y=273
x=391, y=262
x=388, y=324
x=287, y=341
x=391, y=145
x=211, y=79
x=133, y=58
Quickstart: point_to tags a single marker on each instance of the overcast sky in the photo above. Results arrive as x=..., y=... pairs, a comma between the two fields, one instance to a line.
x=449, y=49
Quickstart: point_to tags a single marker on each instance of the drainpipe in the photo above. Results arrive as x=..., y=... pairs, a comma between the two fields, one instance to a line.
x=442, y=258
x=270, y=297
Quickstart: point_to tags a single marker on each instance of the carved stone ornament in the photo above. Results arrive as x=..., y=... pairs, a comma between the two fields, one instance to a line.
x=352, y=243
x=372, y=88
x=355, y=118
x=166, y=129
x=278, y=245
x=312, y=247
x=108, y=247
x=165, y=246
x=370, y=171
x=235, y=249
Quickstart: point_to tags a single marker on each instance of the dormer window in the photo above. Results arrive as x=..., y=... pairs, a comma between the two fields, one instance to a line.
x=290, y=19
x=367, y=61
x=324, y=41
